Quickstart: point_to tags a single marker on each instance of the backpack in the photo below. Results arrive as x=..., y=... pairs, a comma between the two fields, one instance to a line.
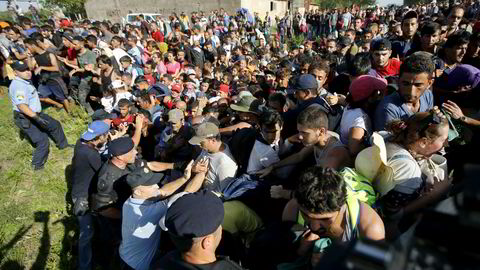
x=358, y=186
x=241, y=144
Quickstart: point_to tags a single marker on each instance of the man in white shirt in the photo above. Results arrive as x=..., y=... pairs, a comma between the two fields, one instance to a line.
x=222, y=166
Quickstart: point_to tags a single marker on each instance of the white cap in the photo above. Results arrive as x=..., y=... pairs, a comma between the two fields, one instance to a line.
x=117, y=84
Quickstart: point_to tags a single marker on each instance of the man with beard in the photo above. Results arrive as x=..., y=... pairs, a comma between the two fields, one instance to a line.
x=381, y=62
x=86, y=164
x=413, y=95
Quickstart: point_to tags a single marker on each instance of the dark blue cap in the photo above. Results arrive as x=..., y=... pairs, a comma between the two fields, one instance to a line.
x=195, y=215
x=120, y=146
x=143, y=176
x=306, y=81
x=159, y=90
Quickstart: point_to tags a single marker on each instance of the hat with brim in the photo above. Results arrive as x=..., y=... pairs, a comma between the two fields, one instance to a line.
x=143, y=176
x=204, y=131
x=96, y=128
x=372, y=163
x=246, y=104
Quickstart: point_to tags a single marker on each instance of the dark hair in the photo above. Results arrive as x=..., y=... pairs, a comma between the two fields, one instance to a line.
x=92, y=38
x=117, y=38
x=321, y=190
x=457, y=39
x=30, y=41
x=319, y=65
x=124, y=102
x=270, y=118
x=418, y=63
x=360, y=65
x=145, y=97
x=313, y=117
x=430, y=28
x=105, y=59
x=278, y=97
x=145, y=113
x=125, y=58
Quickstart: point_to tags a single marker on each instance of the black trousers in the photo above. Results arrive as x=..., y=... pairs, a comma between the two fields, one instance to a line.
x=38, y=136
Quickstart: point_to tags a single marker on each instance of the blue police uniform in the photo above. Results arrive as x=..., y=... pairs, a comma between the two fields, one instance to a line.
x=23, y=92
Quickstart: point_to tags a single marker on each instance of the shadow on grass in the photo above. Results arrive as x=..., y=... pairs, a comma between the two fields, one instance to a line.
x=12, y=265
x=44, y=249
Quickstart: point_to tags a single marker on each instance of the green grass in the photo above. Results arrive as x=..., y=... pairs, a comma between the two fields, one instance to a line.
x=36, y=227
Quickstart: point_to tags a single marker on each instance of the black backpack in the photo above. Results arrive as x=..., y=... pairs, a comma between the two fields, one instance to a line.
x=241, y=144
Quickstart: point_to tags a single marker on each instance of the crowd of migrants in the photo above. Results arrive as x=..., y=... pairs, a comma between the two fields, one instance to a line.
x=215, y=144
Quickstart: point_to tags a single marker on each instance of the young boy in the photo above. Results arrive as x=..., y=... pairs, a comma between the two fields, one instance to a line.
x=148, y=72
x=128, y=67
x=125, y=118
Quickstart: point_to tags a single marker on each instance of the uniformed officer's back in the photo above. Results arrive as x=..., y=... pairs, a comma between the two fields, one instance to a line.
x=28, y=116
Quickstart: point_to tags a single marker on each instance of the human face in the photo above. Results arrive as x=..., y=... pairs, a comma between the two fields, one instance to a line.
x=409, y=27
x=12, y=36
x=176, y=126
x=124, y=111
x=147, y=69
x=78, y=45
x=321, y=77
x=429, y=41
x=380, y=58
x=473, y=49
x=129, y=157
x=308, y=136
x=319, y=224
x=170, y=57
x=455, y=17
x=434, y=145
x=26, y=75
x=125, y=65
x=204, y=87
x=457, y=53
x=276, y=106
x=358, y=24
x=115, y=43
x=350, y=35
x=368, y=36
x=331, y=47
x=398, y=31
x=412, y=86
x=271, y=135
x=301, y=95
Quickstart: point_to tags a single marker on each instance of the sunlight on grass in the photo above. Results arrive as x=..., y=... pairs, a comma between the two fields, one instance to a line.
x=36, y=229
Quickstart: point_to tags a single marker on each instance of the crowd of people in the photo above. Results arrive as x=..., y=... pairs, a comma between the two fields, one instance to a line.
x=216, y=143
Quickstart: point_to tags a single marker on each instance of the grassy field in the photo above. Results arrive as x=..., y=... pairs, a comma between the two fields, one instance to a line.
x=37, y=230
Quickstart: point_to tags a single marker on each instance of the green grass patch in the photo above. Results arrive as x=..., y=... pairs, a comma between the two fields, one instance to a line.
x=36, y=228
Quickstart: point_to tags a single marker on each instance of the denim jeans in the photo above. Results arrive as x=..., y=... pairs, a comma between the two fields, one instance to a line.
x=85, y=225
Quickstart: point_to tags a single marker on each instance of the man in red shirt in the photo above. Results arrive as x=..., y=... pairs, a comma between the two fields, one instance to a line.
x=382, y=64
x=157, y=35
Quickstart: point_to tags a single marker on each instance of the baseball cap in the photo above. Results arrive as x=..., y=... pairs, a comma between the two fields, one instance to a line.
x=364, y=86
x=224, y=88
x=117, y=84
x=463, y=75
x=246, y=104
x=96, y=128
x=102, y=115
x=175, y=116
x=372, y=163
x=306, y=81
x=78, y=38
x=68, y=36
x=19, y=66
x=120, y=146
x=158, y=90
x=140, y=79
x=381, y=45
x=204, y=131
x=143, y=176
x=195, y=215
x=176, y=88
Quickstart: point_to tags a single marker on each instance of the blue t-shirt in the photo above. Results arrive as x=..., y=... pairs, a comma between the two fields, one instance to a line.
x=392, y=107
x=141, y=231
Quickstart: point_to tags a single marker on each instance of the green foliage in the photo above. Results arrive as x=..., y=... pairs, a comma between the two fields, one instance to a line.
x=36, y=226
x=68, y=6
x=328, y=4
x=297, y=40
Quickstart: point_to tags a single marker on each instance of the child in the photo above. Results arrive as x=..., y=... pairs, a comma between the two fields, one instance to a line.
x=128, y=67
x=121, y=92
x=125, y=118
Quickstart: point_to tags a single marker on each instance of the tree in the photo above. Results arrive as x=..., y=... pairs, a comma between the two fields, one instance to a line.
x=68, y=6
x=329, y=4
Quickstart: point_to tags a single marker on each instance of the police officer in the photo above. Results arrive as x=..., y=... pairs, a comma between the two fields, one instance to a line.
x=27, y=115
